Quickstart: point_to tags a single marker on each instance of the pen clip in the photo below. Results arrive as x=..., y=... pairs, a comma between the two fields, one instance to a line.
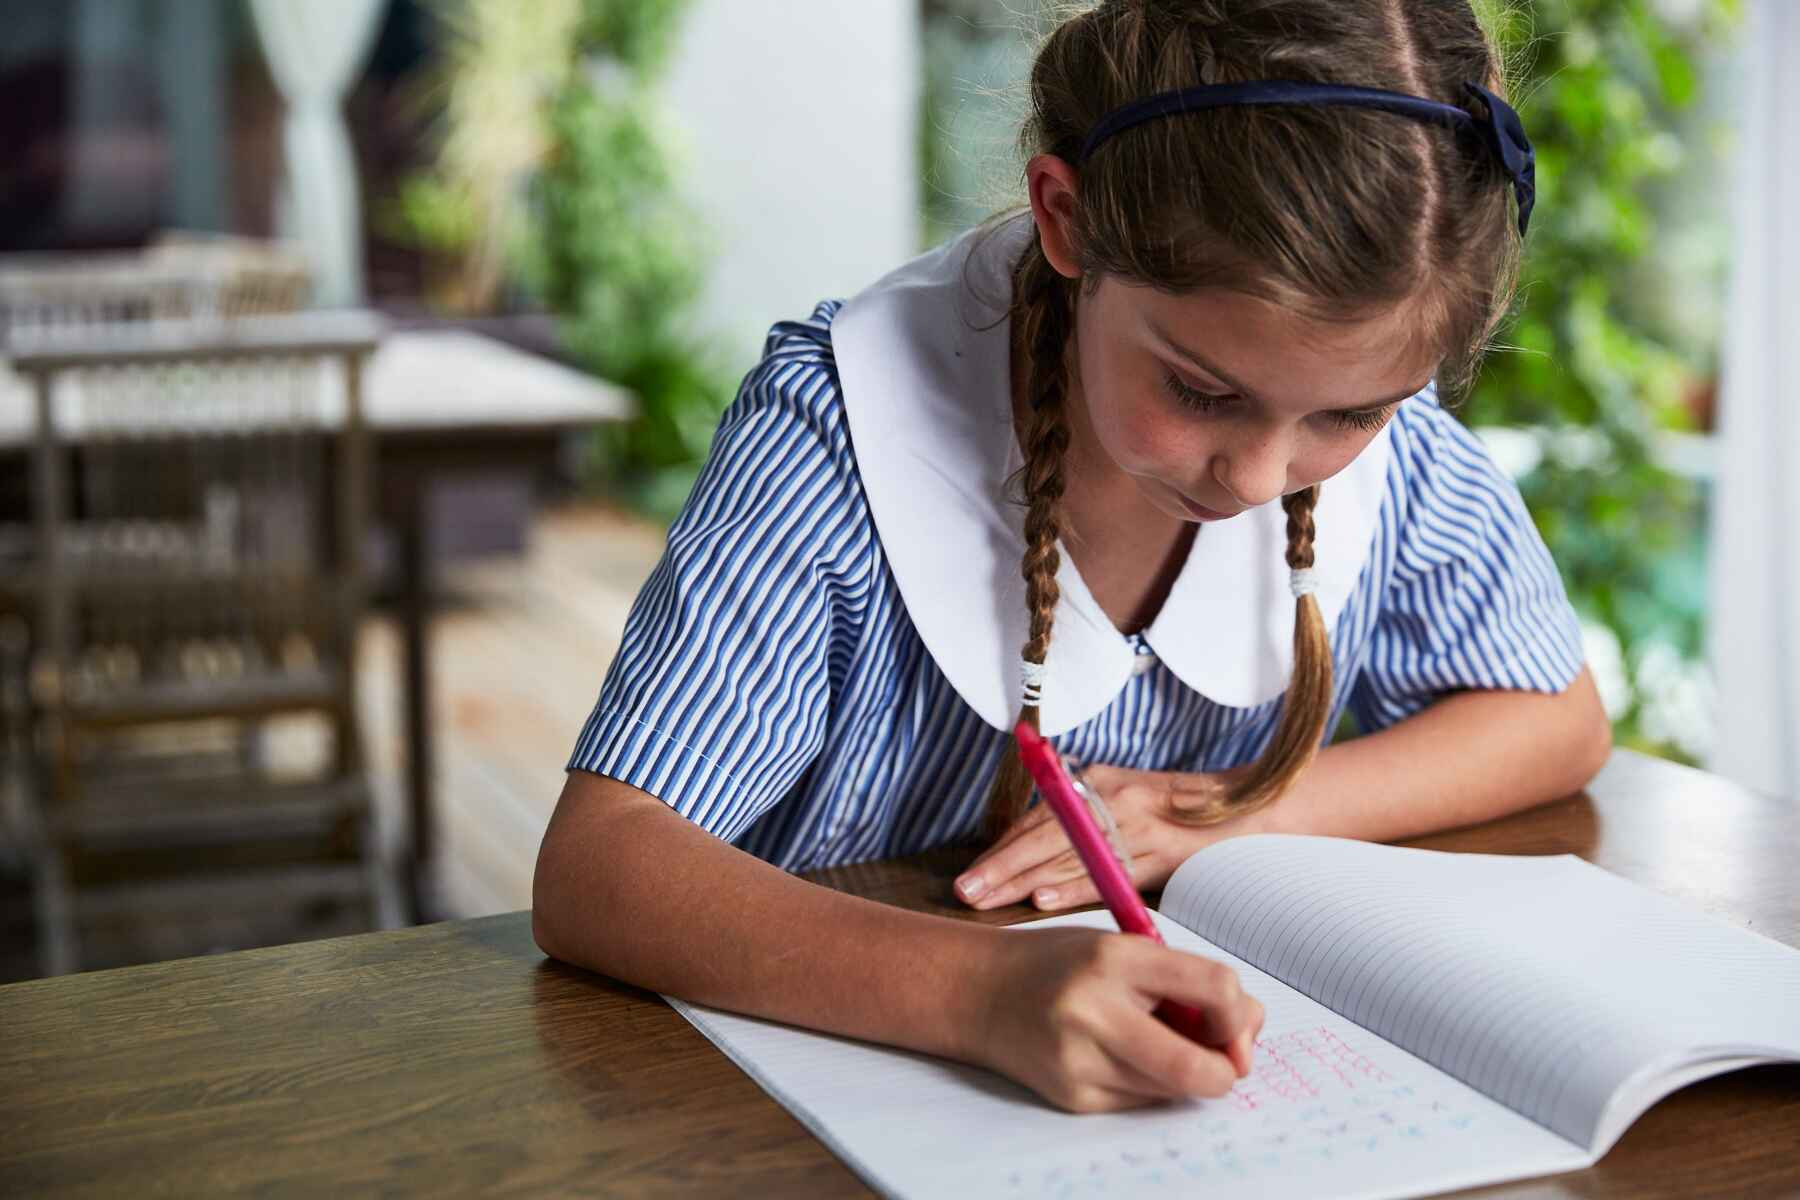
x=1102, y=814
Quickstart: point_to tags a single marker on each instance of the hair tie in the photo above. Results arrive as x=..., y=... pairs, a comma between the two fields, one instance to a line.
x=1304, y=581
x=1034, y=681
x=1499, y=128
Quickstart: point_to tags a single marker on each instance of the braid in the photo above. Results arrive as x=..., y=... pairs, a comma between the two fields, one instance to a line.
x=1300, y=528
x=1043, y=313
x=1303, y=710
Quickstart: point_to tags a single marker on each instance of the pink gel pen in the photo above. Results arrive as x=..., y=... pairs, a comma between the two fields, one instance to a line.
x=1102, y=861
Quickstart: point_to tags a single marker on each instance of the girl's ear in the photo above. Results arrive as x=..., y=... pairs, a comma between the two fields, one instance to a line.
x=1052, y=185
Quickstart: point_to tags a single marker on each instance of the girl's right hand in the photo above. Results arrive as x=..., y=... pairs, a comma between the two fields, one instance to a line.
x=1069, y=1015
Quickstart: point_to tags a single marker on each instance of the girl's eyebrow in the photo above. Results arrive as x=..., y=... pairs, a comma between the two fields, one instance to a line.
x=1234, y=385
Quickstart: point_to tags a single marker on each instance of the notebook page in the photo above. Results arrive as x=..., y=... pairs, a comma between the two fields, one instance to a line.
x=1550, y=985
x=1327, y=1110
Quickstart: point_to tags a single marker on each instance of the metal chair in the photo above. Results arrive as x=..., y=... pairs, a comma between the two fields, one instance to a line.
x=200, y=490
x=177, y=275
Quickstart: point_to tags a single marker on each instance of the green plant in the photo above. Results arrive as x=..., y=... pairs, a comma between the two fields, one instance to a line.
x=499, y=65
x=1591, y=362
x=618, y=257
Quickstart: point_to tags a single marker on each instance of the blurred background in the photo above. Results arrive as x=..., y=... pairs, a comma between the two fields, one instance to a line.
x=529, y=249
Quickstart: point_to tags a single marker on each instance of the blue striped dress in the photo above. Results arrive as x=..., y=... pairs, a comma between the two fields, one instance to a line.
x=772, y=688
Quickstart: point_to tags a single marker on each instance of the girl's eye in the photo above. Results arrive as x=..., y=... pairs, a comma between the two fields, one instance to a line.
x=1368, y=419
x=1194, y=398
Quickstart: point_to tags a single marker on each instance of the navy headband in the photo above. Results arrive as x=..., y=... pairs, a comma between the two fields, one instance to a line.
x=1500, y=130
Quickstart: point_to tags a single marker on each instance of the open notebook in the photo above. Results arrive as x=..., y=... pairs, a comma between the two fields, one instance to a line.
x=1435, y=1021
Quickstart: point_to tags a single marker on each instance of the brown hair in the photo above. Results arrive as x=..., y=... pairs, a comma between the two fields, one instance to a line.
x=1336, y=213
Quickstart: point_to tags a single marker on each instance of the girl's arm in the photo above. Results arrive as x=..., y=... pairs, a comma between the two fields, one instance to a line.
x=1469, y=757
x=626, y=886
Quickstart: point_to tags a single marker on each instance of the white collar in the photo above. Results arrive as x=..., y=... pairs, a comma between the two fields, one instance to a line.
x=922, y=358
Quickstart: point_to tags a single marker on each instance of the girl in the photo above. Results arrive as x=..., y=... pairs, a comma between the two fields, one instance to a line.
x=1096, y=433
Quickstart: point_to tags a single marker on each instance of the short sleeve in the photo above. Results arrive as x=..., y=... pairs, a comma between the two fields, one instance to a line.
x=1473, y=600
x=719, y=698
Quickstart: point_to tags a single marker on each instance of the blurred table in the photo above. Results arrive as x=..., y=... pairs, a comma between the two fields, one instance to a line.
x=438, y=403
x=456, y=1059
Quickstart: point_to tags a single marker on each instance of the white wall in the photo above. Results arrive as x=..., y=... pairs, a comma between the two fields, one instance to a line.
x=800, y=118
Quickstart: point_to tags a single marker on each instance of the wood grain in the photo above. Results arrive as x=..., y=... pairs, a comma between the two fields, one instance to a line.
x=455, y=1059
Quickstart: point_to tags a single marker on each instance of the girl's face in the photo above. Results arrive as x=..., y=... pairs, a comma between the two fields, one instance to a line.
x=1213, y=402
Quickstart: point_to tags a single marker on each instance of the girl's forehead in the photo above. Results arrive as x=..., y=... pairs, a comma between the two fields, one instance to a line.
x=1274, y=354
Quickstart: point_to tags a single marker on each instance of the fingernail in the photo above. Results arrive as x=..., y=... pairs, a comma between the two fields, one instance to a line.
x=1043, y=896
x=971, y=886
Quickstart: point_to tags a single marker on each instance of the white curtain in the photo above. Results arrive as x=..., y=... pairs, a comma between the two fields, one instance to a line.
x=1754, y=614
x=315, y=49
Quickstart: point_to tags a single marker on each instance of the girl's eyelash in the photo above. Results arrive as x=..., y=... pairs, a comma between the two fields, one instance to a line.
x=1194, y=398
x=1368, y=419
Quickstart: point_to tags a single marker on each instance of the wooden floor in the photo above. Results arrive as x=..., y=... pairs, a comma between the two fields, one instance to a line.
x=519, y=649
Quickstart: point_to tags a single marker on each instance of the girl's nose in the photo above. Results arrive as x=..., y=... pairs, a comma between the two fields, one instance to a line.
x=1253, y=471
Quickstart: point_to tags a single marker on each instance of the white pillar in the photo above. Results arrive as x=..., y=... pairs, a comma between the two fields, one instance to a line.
x=1754, y=614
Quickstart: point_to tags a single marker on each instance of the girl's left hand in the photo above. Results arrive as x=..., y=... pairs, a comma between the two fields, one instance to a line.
x=1034, y=858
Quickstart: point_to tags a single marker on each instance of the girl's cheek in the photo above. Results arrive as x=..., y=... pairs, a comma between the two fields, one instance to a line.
x=1321, y=461
x=1115, y=408
x=1142, y=439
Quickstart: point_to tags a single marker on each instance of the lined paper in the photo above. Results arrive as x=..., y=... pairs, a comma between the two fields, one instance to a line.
x=1328, y=1108
x=1566, y=993
x=1558, y=1000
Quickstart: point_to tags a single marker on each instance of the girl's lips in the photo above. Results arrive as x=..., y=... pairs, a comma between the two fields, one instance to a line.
x=1204, y=513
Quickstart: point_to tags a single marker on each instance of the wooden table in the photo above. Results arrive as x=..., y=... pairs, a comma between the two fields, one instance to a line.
x=442, y=402
x=438, y=403
x=455, y=1058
